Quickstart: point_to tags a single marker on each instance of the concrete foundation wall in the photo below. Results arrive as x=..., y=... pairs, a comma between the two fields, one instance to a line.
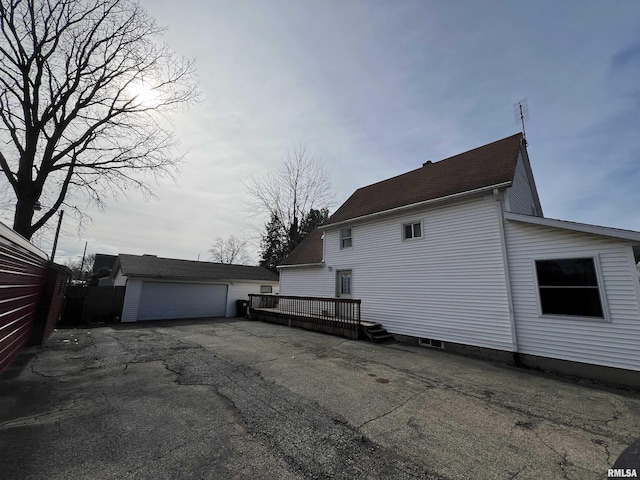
x=608, y=375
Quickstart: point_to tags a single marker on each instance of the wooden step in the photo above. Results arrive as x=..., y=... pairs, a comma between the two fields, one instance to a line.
x=376, y=332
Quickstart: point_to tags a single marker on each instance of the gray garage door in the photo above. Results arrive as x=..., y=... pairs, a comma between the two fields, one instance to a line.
x=181, y=300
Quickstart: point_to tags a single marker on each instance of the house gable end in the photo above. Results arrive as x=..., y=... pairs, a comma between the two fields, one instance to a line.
x=483, y=167
x=522, y=195
x=470, y=173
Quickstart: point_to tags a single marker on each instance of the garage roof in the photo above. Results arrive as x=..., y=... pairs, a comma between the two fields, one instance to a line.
x=171, y=268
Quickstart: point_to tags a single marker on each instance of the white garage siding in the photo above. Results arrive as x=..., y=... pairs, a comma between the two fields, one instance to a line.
x=120, y=280
x=241, y=291
x=614, y=343
x=131, y=300
x=159, y=300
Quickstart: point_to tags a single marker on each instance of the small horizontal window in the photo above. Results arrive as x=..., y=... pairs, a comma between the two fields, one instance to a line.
x=345, y=237
x=430, y=342
x=569, y=287
x=266, y=289
x=411, y=230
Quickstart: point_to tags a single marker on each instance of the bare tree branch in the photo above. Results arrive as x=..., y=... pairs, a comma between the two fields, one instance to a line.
x=300, y=184
x=86, y=90
x=230, y=250
x=299, y=192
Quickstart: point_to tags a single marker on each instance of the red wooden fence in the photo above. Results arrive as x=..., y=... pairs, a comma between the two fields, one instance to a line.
x=31, y=295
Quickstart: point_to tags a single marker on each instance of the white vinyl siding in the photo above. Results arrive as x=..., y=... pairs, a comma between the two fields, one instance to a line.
x=307, y=281
x=520, y=198
x=449, y=286
x=613, y=344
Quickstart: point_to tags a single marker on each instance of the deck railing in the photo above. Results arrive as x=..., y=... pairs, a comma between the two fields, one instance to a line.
x=332, y=315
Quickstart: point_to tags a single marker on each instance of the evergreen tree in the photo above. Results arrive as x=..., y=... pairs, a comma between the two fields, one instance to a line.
x=279, y=241
x=272, y=244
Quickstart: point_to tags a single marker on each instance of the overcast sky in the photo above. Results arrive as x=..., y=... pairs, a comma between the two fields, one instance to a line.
x=374, y=89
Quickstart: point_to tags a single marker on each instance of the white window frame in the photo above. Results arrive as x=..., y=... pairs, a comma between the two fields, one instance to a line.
x=350, y=238
x=266, y=287
x=412, y=238
x=595, y=257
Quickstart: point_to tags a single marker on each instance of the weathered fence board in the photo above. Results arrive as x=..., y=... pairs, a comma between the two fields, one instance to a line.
x=87, y=305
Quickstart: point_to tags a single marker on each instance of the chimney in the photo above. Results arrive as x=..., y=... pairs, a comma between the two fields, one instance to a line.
x=428, y=162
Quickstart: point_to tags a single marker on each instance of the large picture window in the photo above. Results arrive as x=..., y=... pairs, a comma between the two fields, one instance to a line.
x=569, y=287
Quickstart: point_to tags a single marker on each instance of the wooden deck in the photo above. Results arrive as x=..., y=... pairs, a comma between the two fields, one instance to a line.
x=279, y=311
x=329, y=315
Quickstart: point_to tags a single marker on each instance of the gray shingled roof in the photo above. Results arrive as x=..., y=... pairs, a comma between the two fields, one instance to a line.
x=171, y=268
x=485, y=166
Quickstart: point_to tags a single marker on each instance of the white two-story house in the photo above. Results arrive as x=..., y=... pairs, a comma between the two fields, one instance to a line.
x=458, y=254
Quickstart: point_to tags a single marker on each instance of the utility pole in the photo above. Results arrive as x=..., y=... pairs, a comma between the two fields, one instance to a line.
x=84, y=254
x=55, y=240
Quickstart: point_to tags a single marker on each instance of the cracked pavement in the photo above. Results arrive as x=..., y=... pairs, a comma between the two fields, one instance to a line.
x=229, y=398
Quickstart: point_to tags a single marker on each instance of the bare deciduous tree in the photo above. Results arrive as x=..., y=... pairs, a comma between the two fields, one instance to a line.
x=85, y=89
x=230, y=250
x=80, y=268
x=290, y=194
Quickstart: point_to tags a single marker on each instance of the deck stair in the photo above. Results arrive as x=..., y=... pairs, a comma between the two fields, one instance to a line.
x=375, y=332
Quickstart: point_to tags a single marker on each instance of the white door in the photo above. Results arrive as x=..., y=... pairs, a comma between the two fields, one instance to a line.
x=344, y=288
x=160, y=301
x=344, y=284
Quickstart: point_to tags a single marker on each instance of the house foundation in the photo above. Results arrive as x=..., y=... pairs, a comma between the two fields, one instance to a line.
x=597, y=373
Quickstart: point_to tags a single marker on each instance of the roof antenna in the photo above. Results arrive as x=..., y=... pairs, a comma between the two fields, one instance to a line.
x=521, y=113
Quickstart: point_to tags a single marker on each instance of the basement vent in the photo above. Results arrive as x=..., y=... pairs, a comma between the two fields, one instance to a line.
x=429, y=342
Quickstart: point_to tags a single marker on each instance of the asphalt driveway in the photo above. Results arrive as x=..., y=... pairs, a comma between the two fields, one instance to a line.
x=233, y=399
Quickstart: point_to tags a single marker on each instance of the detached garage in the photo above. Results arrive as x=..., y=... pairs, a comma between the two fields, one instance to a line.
x=166, y=288
x=178, y=300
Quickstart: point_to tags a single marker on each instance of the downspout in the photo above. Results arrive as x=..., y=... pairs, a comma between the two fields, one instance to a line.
x=505, y=262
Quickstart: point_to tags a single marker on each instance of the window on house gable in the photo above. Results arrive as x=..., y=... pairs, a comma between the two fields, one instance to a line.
x=345, y=237
x=411, y=230
x=569, y=287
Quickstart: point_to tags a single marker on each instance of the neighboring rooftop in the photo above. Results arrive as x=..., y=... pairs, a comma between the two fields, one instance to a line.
x=171, y=268
x=491, y=164
x=102, y=260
